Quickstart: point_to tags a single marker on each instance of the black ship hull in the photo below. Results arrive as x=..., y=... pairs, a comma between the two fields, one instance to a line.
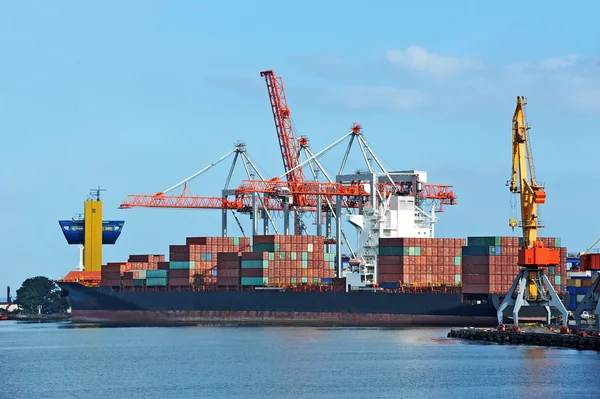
x=105, y=306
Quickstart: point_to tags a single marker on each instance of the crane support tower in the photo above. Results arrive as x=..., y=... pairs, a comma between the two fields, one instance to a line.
x=531, y=286
x=91, y=232
x=591, y=301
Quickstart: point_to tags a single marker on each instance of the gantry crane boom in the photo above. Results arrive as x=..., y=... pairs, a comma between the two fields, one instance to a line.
x=590, y=248
x=275, y=186
x=523, y=177
x=531, y=287
x=195, y=202
x=285, y=132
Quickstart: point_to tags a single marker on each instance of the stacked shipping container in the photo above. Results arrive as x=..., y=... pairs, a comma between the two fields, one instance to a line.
x=578, y=284
x=278, y=260
x=228, y=269
x=134, y=269
x=228, y=261
x=589, y=261
x=489, y=264
x=419, y=261
x=196, y=261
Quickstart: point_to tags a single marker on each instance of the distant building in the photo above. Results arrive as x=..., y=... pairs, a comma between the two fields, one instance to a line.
x=8, y=307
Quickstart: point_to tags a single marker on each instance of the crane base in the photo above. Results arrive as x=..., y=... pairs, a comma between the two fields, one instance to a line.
x=591, y=301
x=545, y=296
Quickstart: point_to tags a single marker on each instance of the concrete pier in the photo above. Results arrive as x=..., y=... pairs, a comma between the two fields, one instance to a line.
x=549, y=338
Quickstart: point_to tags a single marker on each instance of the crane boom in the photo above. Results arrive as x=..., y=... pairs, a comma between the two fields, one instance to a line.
x=194, y=202
x=523, y=176
x=285, y=132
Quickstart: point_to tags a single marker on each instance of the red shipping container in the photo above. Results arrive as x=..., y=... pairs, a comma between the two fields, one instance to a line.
x=228, y=281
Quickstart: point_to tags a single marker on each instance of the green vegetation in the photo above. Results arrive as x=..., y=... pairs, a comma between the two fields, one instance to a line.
x=41, y=295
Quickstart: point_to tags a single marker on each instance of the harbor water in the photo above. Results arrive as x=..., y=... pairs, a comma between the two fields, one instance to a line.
x=61, y=360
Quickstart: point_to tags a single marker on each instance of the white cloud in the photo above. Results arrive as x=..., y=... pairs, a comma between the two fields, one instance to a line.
x=419, y=59
x=380, y=97
x=560, y=62
x=568, y=82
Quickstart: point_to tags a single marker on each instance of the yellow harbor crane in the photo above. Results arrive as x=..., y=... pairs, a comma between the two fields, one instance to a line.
x=531, y=286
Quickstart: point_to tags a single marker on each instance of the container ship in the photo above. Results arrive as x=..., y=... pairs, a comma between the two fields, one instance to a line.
x=290, y=280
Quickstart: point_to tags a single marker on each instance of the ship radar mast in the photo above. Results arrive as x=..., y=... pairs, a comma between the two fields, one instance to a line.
x=95, y=193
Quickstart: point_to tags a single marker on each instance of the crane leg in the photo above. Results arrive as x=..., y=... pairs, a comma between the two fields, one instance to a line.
x=286, y=219
x=224, y=223
x=593, y=295
x=265, y=222
x=555, y=301
x=548, y=315
x=519, y=301
x=507, y=300
x=254, y=214
x=598, y=315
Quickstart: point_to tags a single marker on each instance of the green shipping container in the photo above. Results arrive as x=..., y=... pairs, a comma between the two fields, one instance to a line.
x=255, y=264
x=179, y=265
x=255, y=281
x=391, y=251
x=457, y=260
x=293, y=280
x=457, y=279
x=156, y=274
x=265, y=247
x=305, y=264
x=203, y=256
x=236, y=240
x=304, y=255
x=271, y=255
x=305, y=280
x=551, y=270
x=293, y=255
x=138, y=282
x=156, y=281
x=417, y=251
x=483, y=241
x=556, y=280
x=282, y=256
x=557, y=242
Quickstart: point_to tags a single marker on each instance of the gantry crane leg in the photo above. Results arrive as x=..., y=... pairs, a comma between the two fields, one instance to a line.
x=544, y=296
x=592, y=297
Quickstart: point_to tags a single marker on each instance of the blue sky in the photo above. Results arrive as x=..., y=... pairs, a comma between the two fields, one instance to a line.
x=135, y=96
